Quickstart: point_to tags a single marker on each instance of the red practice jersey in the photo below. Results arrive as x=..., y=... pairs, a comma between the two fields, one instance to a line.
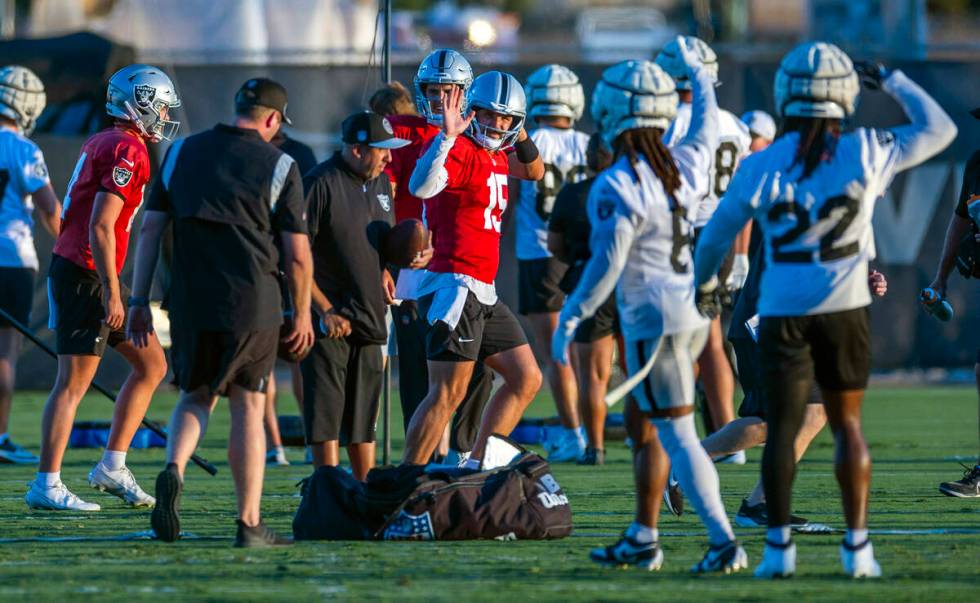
x=465, y=218
x=114, y=160
x=420, y=132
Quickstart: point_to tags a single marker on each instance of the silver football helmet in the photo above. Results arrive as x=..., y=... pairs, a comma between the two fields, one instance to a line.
x=443, y=66
x=816, y=79
x=633, y=94
x=22, y=97
x=671, y=61
x=555, y=91
x=144, y=95
x=502, y=93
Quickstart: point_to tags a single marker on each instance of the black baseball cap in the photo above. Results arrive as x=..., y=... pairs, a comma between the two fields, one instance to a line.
x=365, y=127
x=263, y=92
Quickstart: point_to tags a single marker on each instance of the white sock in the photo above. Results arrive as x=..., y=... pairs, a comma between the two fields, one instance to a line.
x=113, y=460
x=472, y=463
x=641, y=533
x=856, y=537
x=778, y=535
x=280, y=451
x=48, y=480
x=696, y=474
x=4, y=437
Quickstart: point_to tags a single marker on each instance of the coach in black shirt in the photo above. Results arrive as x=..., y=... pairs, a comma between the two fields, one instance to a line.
x=350, y=211
x=230, y=194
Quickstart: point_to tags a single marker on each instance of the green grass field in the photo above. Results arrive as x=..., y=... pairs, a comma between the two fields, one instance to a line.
x=914, y=434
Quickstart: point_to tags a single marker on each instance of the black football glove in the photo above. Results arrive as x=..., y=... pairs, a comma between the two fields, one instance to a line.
x=871, y=74
x=708, y=298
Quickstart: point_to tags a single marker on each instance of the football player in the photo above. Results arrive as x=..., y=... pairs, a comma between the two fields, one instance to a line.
x=87, y=301
x=812, y=193
x=441, y=72
x=555, y=102
x=733, y=144
x=641, y=211
x=24, y=185
x=597, y=337
x=463, y=178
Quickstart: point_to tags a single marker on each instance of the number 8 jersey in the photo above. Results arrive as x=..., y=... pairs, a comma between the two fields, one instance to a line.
x=465, y=217
x=817, y=231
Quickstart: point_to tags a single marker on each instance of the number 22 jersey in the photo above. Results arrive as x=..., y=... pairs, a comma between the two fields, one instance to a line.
x=465, y=217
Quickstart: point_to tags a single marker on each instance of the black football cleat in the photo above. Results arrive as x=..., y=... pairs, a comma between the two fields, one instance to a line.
x=966, y=487
x=258, y=536
x=165, y=518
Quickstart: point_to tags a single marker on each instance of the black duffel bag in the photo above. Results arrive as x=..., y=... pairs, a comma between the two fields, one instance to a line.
x=520, y=501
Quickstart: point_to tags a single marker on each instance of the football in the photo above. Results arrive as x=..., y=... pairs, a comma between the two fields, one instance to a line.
x=404, y=241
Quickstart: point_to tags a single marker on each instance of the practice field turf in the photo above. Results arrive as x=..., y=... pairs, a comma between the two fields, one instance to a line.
x=928, y=545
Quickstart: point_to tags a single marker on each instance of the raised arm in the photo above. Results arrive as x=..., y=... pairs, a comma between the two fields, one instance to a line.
x=429, y=177
x=703, y=131
x=931, y=130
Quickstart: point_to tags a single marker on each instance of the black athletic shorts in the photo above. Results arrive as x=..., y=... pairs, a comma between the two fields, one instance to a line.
x=603, y=323
x=481, y=332
x=75, y=310
x=834, y=348
x=16, y=294
x=341, y=390
x=538, y=291
x=751, y=377
x=220, y=359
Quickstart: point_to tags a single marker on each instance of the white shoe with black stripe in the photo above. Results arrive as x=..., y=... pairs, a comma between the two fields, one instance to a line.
x=778, y=561
x=859, y=560
x=627, y=552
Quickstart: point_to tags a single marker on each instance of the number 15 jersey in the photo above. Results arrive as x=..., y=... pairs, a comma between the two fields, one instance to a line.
x=465, y=218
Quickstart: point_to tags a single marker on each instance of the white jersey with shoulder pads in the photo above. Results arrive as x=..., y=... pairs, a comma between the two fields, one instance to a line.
x=563, y=153
x=655, y=293
x=817, y=231
x=733, y=145
x=22, y=172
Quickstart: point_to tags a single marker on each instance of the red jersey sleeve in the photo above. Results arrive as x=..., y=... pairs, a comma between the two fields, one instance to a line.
x=128, y=169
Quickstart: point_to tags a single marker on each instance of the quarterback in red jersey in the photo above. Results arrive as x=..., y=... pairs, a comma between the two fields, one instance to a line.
x=84, y=293
x=463, y=178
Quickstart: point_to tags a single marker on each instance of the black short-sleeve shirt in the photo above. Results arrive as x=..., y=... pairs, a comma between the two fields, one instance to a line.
x=971, y=185
x=348, y=219
x=570, y=219
x=230, y=194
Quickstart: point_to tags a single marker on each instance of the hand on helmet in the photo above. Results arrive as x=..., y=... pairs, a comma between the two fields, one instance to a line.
x=689, y=55
x=871, y=74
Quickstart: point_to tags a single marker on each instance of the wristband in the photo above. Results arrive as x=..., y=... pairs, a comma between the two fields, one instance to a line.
x=137, y=302
x=526, y=150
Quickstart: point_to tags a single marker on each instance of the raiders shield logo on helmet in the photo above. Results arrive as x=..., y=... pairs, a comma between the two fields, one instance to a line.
x=144, y=94
x=121, y=176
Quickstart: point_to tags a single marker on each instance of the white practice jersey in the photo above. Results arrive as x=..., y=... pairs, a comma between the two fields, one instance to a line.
x=22, y=172
x=563, y=154
x=641, y=237
x=733, y=145
x=817, y=231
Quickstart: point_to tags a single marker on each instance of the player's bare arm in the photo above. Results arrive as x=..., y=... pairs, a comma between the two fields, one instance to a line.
x=139, y=324
x=524, y=169
x=298, y=260
x=102, y=238
x=48, y=205
x=958, y=227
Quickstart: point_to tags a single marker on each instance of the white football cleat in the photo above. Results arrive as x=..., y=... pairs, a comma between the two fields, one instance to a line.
x=726, y=558
x=778, y=561
x=55, y=498
x=735, y=458
x=14, y=454
x=859, y=561
x=120, y=483
x=570, y=448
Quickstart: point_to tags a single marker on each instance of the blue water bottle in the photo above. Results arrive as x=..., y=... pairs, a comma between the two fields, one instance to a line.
x=935, y=304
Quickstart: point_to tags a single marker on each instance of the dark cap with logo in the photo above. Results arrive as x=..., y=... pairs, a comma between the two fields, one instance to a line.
x=365, y=127
x=263, y=92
